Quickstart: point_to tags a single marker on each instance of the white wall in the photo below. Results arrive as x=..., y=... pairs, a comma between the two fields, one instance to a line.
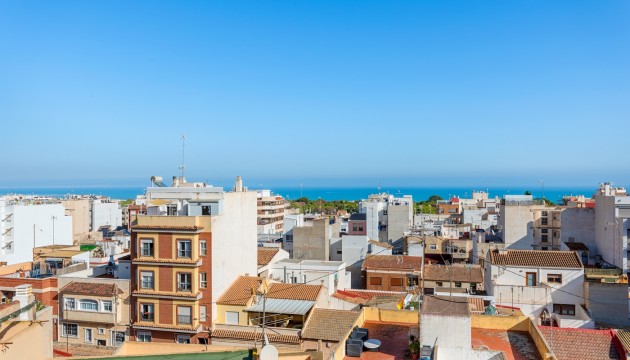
x=611, y=230
x=21, y=235
x=234, y=242
x=331, y=274
x=373, y=211
x=516, y=222
x=354, y=248
x=106, y=213
x=445, y=331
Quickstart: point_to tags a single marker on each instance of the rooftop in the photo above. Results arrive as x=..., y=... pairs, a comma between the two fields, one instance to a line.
x=455, y=272
x=445, y=305
x=536, y=258
x=265, y=255
x=576, y=246
x=294, y=291
x=241, y=291
x=381, y=244
x=515, y=345
x=583, y=344
x=393, y=262
x=358, y=217
x=366, y=296
x=329, y=325
x=90, y=288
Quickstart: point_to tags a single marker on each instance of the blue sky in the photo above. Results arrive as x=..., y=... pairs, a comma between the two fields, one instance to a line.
x=340, y=92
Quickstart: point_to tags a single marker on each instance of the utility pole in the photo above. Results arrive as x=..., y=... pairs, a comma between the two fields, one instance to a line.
x=53, y=218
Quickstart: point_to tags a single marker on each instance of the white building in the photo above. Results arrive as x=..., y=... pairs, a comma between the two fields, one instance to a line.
x=106, y=212
x=388, y=218
x=516, y=221
x=612, y=225
x=535, y=281
x=270, y=213
x=331, y=274
x=26, y=223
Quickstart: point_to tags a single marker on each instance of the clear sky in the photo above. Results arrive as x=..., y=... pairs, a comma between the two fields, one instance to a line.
x=315, y=92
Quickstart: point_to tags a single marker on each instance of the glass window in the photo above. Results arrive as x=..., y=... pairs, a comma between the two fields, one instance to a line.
x=107, y=306
x=183, y=249
x=69, y=304
x=183, y=339
x=88, y=305
x=564, y=309
x=143, y=336
x=375, y=281
x=147, y=312
x=203, y=280
x=184, y=282
x=184, y=315
x=202, y=313
x=203, y=248
x=458, y=284
x=70, y=330
x=88, y=335
x=554, y=278
x=146, y=279
x=544, y=238
x=231, y=317
x=146, y=247
x=433, y=246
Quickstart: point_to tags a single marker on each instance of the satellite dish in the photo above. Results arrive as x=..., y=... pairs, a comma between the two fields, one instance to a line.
x=269, y=352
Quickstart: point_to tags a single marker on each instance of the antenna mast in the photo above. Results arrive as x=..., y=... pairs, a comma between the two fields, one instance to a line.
x=182, y=166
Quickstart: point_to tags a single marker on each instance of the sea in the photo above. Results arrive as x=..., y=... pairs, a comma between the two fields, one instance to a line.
x=314, y=193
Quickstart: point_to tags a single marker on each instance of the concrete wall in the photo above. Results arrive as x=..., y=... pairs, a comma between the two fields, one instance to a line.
x=32, y=342
x=578, y=225
x=373, y=211
x=312, y=242
x=516, y=222
x=234, y=242
x=80, y=211
x=445, y=331
x=396, y=316
x=607, y=302
x=106, y=213
x=611, y=230
x=500, y=322
x=399, y=221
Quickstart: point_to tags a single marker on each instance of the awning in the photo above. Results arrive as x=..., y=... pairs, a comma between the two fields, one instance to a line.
x=283, y=306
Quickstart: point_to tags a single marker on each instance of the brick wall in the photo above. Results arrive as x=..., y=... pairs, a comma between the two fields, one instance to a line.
x=165, y=250
x=388, y=281
x=166, y=279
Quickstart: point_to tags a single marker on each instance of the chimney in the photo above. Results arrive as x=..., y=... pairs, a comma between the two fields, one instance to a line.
x=175, y=181
x=24, y=295
x=238, y=185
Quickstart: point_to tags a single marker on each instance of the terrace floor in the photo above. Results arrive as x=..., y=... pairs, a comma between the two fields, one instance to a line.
x=394, y=339
x=515, y=344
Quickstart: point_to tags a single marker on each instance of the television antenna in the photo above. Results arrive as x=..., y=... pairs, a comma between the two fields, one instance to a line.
x=182, y=166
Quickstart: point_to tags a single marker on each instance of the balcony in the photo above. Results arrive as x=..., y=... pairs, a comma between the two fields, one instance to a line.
x=521, y=295
x=161, y=261
x=91, y=316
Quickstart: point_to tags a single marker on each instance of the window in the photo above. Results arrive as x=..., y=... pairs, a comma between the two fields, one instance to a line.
x=184, y=282
x=544, y=213
x=544, y=238
x=147, y=312
x=88, y=335
x=101, y=331
x=395, y=282
x=146, y=279
x=203, y=280
x=183, y=339
x=143, y=336
x=203, y=248
x=564, y=309
x=202, y=313
x=183, y=249
x=375, y=281
x=88, y=305
x=69, y=304
x=118, y=337
x=433, y=247
x=146, y=247
x=530, y=279
x=231, y=317
x=554, y=278
x=544, y=248
x=384, y=212
x=357, y=227
x=339, y=252
x=544, y=221
x=544, y=231
x=439, y=284
x=107, y=306
x=458, y=284
x=184, y=315
x=70, y=330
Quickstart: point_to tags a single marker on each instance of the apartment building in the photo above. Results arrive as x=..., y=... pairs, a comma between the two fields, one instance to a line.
x=612, y=225
x=388, y=218
x=194, y=242
x=547, y=228
x=270, y=213
x=516, y=221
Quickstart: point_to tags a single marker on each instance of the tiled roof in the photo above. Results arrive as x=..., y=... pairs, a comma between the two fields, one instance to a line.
x=265, y=255
x=241, y=291
x=536, y=258
x=475, y=305
x=329, y=325
x=624, y=339
x=364, y=296
x=254, y=335
x=165, y=293
x=88, y=288
x=456, y=273
x=381, y=244
x=445, y=305
x=393, y=262
x=576, y=246
x=294, y=291
x=166, y=227
x=583, y=344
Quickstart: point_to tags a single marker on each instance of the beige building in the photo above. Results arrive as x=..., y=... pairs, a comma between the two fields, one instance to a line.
x=313, y=242
x=547, y=226
x=270, y=213
x=94, y=311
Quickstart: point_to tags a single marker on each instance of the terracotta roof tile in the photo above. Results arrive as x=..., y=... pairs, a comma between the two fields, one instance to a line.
x=241, y=291
x=583, y=344
x=294, y=291
x=329, y=325
x=536, y=258
x=456, y=273
x=576, y=246
x=265, y=255
x=364, y=296
x=624, y=339
x=254, y=335
x=166, y=326
x=393, y=262
x=88, y=288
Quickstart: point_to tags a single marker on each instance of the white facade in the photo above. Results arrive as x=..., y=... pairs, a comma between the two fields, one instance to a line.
x=516, y=222
x=106, y=213
x=331, y=274
x=388, y=217
x=26, y=224
x=612, y=225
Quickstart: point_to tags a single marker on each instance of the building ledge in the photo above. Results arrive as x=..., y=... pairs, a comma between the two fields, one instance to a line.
x=168, y=294
x=141, y=325
x=182, y=262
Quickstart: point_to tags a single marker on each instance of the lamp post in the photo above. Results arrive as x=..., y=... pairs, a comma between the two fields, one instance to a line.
x=53, y=218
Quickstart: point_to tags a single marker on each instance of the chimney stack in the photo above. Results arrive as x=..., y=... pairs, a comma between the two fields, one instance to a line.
x=238, y=185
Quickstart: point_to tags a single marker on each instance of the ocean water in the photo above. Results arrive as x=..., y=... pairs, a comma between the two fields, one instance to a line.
x=325, y=193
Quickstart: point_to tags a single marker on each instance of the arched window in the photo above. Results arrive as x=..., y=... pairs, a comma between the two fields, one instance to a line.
x=88, y=305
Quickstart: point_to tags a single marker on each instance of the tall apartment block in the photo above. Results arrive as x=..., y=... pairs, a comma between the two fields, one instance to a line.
x=194, y=241
x=270, y=213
